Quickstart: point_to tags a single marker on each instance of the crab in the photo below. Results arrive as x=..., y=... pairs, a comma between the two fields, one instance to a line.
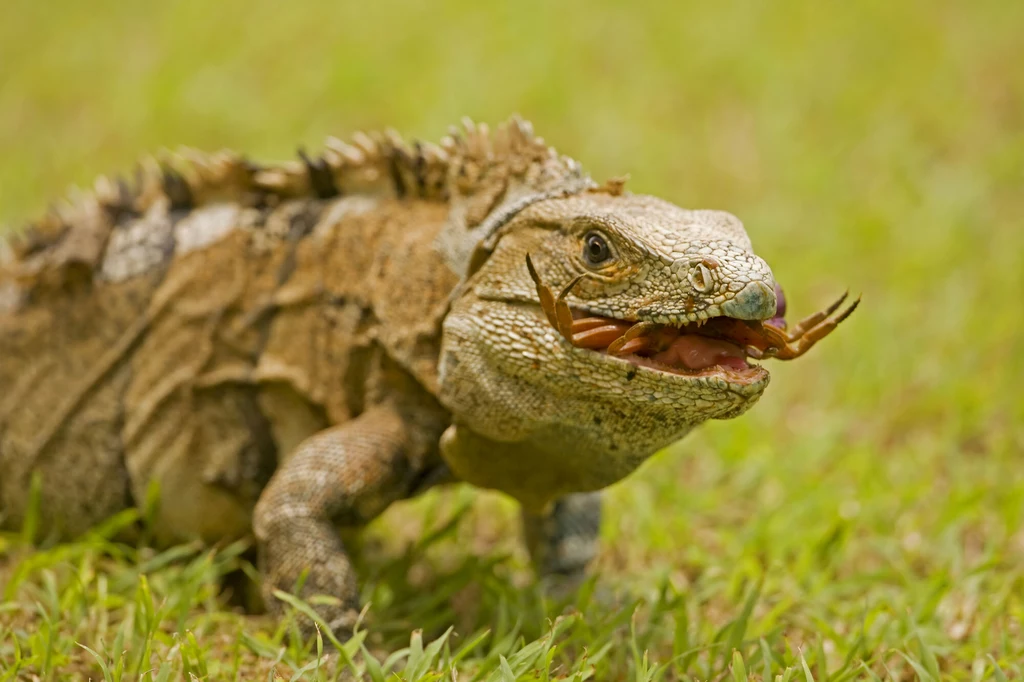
x=757, y=339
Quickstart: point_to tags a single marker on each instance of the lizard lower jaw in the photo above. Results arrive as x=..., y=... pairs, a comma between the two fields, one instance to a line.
x=745, y=375
x=734, y=370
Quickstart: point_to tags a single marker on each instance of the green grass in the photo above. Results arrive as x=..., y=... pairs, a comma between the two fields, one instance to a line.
x=865, y=521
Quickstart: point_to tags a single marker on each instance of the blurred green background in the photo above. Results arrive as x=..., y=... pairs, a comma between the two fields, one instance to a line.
x=873, y=145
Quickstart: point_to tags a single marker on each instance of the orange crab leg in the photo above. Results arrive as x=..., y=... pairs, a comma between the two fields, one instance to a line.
x=633, y=346
x=562, y=312
x=587, y=323
x=547, y=299
x=555, y=308
x=743, y=332
x=785, y=348
x=637, y=330
x=587, y=332
x=811, y=321
x=598, y=337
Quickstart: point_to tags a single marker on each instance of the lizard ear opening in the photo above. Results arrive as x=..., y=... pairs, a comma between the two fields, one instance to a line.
x=491, y=230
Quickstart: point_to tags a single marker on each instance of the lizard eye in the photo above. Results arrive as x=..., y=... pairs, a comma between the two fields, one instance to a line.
x=595, y=249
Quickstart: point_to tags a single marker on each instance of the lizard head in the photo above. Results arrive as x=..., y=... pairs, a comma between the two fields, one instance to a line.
x=596, y=327
x=512, y=376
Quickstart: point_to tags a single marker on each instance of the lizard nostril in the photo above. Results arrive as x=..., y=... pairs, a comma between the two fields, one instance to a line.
x=700, y=278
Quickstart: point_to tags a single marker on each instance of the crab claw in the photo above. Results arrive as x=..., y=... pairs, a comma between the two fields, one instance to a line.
x=786, y=345
x=811, y=321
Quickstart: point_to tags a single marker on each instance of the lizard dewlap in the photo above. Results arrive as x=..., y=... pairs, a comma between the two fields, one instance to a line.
x=283, y=349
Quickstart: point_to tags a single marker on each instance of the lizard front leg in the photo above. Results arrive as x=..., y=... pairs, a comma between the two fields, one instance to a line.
x=563, y=540
x=344, y=475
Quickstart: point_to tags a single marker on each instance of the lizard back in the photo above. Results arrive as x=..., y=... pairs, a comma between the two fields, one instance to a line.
x=194, y=325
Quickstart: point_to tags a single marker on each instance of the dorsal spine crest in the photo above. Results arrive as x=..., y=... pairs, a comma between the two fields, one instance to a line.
x=471, y=164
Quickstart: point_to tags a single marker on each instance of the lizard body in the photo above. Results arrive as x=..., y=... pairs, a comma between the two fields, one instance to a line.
x=285, y=349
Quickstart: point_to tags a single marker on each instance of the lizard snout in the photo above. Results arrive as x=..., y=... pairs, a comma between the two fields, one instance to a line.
x=755, y=301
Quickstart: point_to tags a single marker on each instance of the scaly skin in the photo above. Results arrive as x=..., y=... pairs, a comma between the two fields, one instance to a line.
x=285, y=350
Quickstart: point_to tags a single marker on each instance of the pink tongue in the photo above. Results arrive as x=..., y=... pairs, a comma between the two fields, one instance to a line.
x=701, y=352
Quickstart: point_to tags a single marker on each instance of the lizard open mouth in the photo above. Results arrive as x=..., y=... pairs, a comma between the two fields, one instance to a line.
x=716, y=346
x=693, y=348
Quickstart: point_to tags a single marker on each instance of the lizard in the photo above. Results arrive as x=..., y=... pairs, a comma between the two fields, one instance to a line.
x=282, y=350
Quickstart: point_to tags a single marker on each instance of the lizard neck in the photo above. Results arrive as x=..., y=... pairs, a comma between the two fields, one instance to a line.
x=535, y=472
